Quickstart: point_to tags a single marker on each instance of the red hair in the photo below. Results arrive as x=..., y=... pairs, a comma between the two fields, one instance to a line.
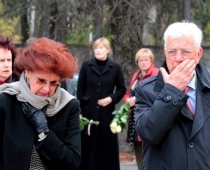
x=46, y=55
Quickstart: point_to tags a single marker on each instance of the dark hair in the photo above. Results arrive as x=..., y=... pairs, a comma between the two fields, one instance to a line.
x=6, y=43
x=47, y=55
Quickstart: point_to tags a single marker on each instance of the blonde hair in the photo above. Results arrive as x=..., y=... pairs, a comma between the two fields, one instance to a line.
x=144, y=52
x=104, y=41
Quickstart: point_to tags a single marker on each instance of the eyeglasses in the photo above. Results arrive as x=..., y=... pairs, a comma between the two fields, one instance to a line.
x=43, y=82
x=144, y=60
x=183, y=52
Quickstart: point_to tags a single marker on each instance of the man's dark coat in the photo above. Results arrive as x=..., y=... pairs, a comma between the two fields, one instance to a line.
x=174, y=139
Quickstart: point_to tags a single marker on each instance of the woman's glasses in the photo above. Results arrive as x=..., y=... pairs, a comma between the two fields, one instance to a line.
x=43, y=82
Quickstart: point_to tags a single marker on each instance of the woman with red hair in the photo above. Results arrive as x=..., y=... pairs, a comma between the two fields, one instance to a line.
x=39, y=121
x=7, y=57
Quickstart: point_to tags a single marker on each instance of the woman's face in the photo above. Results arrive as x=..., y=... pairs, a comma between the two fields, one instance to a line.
x=144, y=63
x=101, y=52
x=42, y=84
x=5, y=64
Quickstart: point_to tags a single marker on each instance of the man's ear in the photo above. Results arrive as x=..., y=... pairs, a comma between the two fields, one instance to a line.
x=200, y=53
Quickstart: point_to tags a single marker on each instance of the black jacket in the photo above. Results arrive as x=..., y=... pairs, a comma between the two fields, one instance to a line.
x=59, y=150
x=174, y=139
x=100, y=150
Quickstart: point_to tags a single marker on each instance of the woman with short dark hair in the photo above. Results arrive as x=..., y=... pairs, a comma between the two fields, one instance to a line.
x=7, y=57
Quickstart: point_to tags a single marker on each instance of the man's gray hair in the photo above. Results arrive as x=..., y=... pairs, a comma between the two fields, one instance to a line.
x=184, y=28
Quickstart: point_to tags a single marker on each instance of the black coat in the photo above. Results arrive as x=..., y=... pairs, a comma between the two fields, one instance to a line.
x=100, y=150
x=174, y=139
x=59, y=150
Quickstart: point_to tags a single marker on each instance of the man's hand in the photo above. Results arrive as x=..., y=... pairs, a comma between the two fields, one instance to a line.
x=181, y=75
x=104, y=102
x=36, y=117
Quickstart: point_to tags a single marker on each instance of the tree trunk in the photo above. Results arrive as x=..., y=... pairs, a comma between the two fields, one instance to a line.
x=61, y=22
x=98, y=17
x=127, y=38
x=24, y=28
x=45, y=19
x=187, y=10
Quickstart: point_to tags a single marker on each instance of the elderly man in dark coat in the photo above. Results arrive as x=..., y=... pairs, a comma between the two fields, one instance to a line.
x=174, y=123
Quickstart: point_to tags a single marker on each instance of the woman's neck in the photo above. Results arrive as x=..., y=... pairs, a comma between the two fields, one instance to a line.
x=143, y=72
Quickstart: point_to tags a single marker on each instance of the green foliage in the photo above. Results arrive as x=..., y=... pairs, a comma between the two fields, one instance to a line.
x=8, y=25
x=84, y=122
x=79, y=34
x=80, y=37
x=121, y=115
x=207, y=31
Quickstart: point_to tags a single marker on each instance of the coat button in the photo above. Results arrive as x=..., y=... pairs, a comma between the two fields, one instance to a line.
x=168, y=97
x=191, y=145
x=174, y=102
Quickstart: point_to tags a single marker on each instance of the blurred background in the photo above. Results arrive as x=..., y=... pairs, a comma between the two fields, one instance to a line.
x=128, y=24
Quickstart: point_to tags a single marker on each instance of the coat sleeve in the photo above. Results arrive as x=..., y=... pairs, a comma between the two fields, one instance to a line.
x=154, y=115
x=120, y=86
x=65, y=153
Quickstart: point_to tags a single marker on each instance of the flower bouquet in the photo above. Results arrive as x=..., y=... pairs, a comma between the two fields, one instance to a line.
x=120, y=119
x=84, y=122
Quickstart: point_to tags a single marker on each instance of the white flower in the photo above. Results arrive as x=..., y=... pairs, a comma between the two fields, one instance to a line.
x=113, y=125
x=118, y=129
x=113, y=129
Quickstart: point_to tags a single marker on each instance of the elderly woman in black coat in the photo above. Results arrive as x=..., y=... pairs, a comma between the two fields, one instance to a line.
x=39, y=121
x=100, y=86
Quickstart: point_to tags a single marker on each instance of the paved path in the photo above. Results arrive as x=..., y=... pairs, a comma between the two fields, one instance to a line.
x=128, y=166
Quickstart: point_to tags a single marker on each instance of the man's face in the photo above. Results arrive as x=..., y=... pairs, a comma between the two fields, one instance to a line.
x=181, y=48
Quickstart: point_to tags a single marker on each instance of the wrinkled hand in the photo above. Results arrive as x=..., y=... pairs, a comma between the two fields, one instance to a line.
x=36, y=117
x=181, y=75
x=104, y=102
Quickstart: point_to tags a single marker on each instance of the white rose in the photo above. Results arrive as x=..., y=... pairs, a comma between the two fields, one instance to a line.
x=113, y=125
x=118, y=129
x=113, y=129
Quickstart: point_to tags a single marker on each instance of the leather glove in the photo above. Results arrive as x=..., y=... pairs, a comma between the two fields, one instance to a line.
x=36, y=117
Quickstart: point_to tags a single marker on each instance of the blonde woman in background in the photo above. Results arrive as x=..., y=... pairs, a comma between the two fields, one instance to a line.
x=144, y=59
x=101, y=86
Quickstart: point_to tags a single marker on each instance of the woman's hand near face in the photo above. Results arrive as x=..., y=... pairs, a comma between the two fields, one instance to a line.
x=104, y=102
x=36, y=117
x=132, y=101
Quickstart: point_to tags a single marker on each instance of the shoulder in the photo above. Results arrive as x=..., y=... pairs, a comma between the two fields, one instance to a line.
x=85, y=63
x=5, y=98
x=148, y=81
x=73, y=104
x=113, y=64
x=8, y=103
